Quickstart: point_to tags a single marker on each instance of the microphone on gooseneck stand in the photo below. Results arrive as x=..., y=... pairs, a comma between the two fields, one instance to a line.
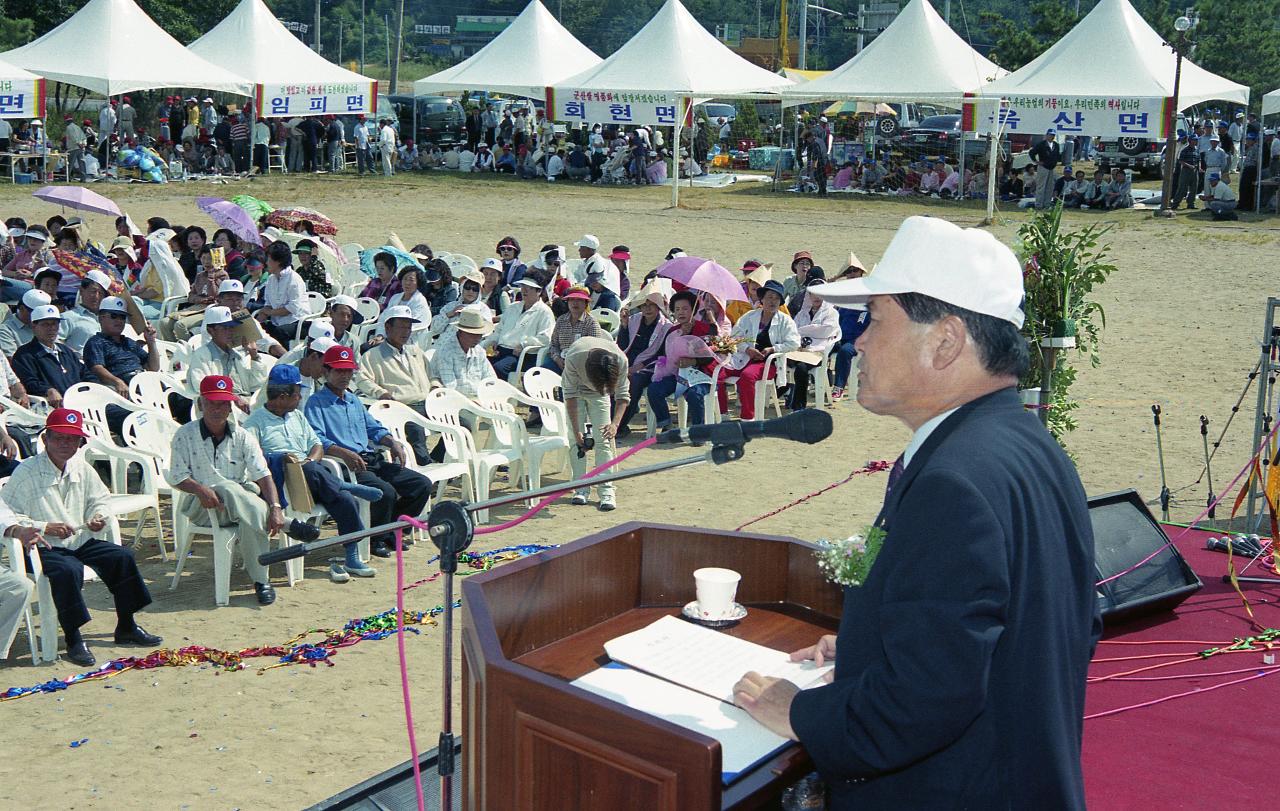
x=808, y=425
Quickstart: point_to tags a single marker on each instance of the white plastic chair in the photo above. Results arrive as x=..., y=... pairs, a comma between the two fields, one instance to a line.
x=394, y=416
x=368, y=307
x=15, y=414
x=351, y=253
x=167, y=351
x=609, y=320
x=446, y=406
x=502, y=396
x=540, y=354
x=17, y=565
x=541, y=383
x=224, y=540
x=152, y=389
x=766, y=389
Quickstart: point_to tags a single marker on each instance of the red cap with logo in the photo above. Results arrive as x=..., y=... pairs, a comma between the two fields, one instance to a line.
x=66, y=421
x=340, y=357
x=217, y=387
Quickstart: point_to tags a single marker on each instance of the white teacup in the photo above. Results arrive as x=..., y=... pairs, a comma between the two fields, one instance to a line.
x=716, y=589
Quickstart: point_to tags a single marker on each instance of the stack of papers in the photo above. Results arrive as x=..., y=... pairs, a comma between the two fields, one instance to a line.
x=706, y=661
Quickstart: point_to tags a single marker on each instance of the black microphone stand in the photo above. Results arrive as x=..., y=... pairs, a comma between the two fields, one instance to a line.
x=451, y=529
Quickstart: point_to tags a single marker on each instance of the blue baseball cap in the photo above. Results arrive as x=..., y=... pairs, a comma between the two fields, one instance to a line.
x=284, y=374
x=1051, y=131
x=1215, y=176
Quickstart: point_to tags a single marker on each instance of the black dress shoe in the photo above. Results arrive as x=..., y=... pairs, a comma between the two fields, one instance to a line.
x=381, y=549
x=137, y=637
x=266, y=594
x=302, y=531
x=78, y=654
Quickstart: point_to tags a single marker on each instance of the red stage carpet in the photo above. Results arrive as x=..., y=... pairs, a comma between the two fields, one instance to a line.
x=1210, y=750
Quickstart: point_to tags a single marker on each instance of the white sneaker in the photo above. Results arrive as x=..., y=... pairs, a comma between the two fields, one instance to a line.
x=608, y=505
x=338, y=573
x=579, y=499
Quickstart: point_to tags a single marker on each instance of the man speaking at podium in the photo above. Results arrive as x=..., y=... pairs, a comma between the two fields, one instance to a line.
x=960, y=664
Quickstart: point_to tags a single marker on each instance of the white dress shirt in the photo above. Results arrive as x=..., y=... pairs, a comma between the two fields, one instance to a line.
x=922, y=433
x=286, y=289
x=519, y=328
x=45, y=495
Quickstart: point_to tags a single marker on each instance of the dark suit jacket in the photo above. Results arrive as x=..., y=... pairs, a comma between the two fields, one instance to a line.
x=961, y=662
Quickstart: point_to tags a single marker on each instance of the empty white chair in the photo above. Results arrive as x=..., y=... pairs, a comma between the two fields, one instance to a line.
x=16, y=564
x=609, y=320
x=151, y=390
x=394, y=416
x=446, y=406
x=368, y=307
x=554, y=440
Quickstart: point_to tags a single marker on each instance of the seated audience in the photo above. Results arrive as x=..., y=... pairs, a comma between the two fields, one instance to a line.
x=281, y=429
x=764, y=331
x=45, y=366
x=524, y=325
x=574, y=324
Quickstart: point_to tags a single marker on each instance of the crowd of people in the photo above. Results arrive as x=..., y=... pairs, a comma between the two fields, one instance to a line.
x=265, y=381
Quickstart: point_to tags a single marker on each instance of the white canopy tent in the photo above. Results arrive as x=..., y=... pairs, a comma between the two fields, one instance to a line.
x=255, y=46
x=23, y=95
x=917, y=58
x=533, y=53
x=113, y=47
x=674, y=54
x=1114, y=52
x=1271, y=103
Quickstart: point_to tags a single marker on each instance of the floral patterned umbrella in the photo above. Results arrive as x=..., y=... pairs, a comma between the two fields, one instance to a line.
x=287, y=218
x=81, y=262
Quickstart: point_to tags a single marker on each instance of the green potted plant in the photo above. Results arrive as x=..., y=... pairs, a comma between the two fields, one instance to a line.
x=1061, y=270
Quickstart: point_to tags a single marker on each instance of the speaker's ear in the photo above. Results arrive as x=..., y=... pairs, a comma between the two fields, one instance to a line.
x=1139, y=571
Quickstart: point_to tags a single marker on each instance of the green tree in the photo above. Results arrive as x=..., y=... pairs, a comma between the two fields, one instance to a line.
x=1014, y=44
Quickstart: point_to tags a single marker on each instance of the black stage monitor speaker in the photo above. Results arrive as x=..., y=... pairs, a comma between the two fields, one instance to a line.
x=1125, y=533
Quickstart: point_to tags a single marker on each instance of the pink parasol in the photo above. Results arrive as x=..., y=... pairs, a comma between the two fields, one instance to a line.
x=77, y=197
x=705, y=275
x=230, y=216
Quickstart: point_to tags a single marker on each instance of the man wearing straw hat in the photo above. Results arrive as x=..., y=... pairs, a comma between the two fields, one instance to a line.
x=959, y=683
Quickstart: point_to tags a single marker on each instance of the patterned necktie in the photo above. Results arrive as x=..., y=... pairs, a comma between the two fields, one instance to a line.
x=895, y=473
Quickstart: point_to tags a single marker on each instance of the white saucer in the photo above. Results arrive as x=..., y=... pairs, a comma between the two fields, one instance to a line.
x=693, y=612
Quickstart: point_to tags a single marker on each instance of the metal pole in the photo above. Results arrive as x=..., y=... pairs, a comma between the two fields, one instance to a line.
x=363, y=17
x=992, y=157
x=1257, y=172
x=317, y=26
x=1260, y=415
x=386, y=28
x=1171, y=141
x=946, y=12
x=861, y=26
x=339, y=40
x=675, y=153
x=446, y=720
x=804, y=32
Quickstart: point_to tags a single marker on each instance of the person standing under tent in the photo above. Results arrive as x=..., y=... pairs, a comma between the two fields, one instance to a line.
x=128, y=119
x=361, y=135
x=1047, y=155
x=387, y=146
x=75, y=149
x=261, y=146
x=106, y=128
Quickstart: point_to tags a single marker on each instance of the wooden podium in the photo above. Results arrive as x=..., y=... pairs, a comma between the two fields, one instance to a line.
x=532, y=741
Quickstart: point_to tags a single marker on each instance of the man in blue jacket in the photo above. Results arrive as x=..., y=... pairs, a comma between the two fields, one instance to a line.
x=960, y=664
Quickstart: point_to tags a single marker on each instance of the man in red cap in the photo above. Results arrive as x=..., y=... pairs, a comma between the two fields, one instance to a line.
x=62, y=496
x=219, y=466
x=349, y=432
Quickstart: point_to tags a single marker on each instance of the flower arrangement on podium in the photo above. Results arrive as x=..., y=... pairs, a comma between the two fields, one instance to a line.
x=847, y=562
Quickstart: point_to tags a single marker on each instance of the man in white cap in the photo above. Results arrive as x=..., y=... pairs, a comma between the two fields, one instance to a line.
x=46, y=366
x=344, y=313
x=112, y=359
x=967, y=689
x=396, y=369
x=208, y=115
x=1215, y=159
x=225, y=353
x=1047, y=155
x=592, y=262
x=16, y=331
x=82, y=320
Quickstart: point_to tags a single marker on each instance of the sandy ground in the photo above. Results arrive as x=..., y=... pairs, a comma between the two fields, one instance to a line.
x=1183, y=313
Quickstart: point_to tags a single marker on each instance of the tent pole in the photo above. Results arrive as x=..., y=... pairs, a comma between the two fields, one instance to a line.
x=1257, y=173
x=675, y=153
x=993, y=150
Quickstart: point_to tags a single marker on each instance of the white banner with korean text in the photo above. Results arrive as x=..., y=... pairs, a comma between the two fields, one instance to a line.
x=21, y=98
x=318, y=98
x=569, y=105
x=1097, y=116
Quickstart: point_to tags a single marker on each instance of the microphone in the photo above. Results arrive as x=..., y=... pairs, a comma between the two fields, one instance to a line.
x=809, y=425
